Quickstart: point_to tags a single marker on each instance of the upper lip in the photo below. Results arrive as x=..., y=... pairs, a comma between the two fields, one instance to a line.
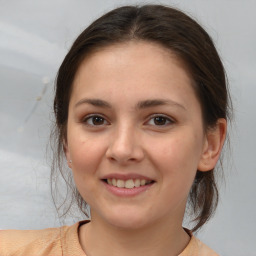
x=127, y=176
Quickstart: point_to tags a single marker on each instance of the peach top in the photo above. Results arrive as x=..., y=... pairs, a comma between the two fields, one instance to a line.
x=64, y=241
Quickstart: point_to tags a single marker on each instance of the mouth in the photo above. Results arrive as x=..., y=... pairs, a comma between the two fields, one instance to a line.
x=129, y=184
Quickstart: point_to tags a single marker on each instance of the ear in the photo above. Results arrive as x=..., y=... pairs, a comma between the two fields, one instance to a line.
x=214, y=140
x=67, y=153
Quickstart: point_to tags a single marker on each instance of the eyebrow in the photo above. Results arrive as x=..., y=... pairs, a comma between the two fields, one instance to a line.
x=140, y=105
x=94, y=102
x=157, y=102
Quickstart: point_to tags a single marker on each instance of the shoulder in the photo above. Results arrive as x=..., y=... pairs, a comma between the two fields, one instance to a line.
x=197, y=248
x=32, y=242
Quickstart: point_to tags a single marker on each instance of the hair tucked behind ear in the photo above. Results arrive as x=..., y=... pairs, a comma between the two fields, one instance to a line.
x=178, y=33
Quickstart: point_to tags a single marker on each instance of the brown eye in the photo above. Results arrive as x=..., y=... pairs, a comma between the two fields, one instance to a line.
x=160, y=120
x=95, y=121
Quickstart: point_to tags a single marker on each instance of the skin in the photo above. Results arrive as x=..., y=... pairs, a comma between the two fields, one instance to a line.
x=127, y=139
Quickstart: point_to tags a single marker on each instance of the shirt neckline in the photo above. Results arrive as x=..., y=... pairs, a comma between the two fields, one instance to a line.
x=72, y=234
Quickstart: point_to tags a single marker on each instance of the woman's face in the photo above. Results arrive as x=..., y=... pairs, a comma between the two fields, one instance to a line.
x=134, y=120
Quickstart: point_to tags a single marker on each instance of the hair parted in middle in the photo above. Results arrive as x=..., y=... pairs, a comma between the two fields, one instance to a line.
x=176, y=32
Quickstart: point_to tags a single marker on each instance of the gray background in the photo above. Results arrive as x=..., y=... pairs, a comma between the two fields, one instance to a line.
x=34, y=37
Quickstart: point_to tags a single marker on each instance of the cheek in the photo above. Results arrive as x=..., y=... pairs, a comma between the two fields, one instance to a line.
x=177, y=158
x=85, y=155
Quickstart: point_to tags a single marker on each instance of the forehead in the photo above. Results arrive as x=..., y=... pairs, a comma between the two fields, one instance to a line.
x=126, y=53
x=133, y=66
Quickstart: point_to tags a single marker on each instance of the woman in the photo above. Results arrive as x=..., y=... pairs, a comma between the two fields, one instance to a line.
x=141, y=110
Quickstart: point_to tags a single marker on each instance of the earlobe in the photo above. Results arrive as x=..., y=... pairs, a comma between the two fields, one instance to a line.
x=67, y=154
x=214, y=142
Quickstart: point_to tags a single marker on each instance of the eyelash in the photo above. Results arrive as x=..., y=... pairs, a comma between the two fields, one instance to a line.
x=166, y=119
x=91, y=117
x=151, y=118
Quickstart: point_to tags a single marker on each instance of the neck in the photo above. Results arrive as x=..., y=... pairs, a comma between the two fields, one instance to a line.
x=164, y=239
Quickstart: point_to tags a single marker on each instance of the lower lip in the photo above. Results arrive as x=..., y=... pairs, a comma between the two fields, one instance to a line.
x=127, y=192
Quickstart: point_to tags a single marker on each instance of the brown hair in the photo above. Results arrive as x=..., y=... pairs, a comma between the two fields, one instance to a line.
x=175, y=31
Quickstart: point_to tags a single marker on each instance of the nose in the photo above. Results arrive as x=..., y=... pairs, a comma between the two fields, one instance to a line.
x=124, y=146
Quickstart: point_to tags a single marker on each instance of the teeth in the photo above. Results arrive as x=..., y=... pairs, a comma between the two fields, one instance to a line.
x=142, y=182
x=120, y=183
x=137, y=183
x=128, y=183
x=114, y=182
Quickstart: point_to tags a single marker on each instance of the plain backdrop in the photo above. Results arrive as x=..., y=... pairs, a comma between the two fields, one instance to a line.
x=34, y=38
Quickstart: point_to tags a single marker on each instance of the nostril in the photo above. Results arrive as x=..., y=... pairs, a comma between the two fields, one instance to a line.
x=112, y=159
x=124, y=154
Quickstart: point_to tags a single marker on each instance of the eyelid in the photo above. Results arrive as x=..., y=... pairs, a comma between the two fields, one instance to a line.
x=168, y=118
x=89, y=116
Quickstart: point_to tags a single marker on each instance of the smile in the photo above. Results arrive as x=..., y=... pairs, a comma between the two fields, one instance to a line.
x=130, y=183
